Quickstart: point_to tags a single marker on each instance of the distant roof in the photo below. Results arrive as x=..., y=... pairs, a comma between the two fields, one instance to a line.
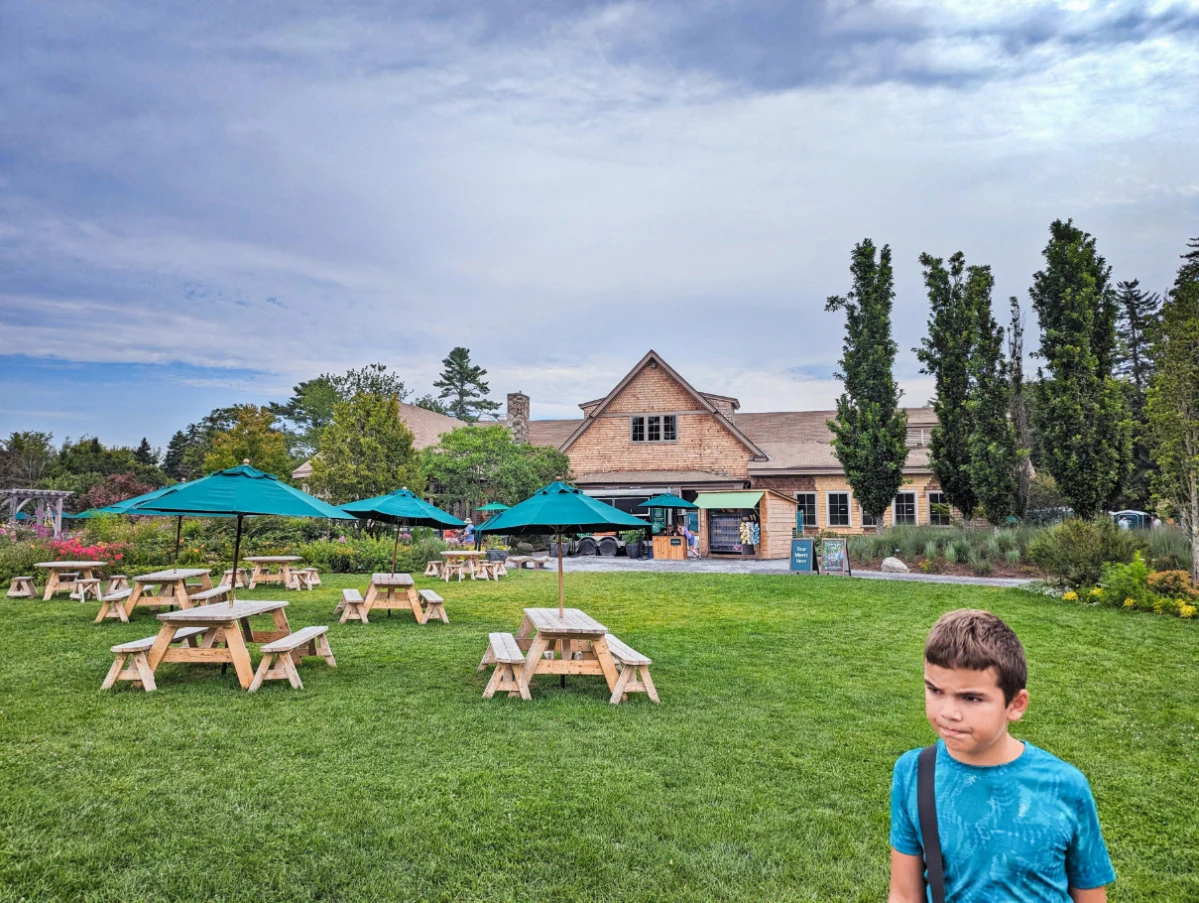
x=801, y=440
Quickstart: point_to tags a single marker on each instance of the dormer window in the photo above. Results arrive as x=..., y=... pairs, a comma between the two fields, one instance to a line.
x=654, y=428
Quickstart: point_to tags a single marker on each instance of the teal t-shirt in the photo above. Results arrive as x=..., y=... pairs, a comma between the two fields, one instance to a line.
x=1024, y=832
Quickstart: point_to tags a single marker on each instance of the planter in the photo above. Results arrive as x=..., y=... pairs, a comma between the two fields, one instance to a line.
x=632, y=549
x=497, y=555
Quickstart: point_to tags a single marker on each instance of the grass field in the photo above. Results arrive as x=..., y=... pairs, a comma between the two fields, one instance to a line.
x=764, y=774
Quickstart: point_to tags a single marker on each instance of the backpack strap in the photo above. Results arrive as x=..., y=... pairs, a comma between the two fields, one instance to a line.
x=926, y=804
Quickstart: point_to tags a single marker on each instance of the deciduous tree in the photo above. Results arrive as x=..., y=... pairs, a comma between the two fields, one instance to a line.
x=366, y=451
x=945, y=353
x=474, y=465
x=1080, y=408
x=870, y=429
x=993, y=453
x=1172, y=403
x=253, y=436
x=25, y=457
x=462, y=387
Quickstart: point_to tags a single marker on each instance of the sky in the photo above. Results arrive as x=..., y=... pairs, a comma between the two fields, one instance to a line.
x=202, y=204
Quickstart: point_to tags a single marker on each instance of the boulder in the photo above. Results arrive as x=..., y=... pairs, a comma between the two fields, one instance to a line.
x=893, y=566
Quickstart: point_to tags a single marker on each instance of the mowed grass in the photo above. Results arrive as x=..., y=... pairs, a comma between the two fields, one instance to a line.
x=764, y=774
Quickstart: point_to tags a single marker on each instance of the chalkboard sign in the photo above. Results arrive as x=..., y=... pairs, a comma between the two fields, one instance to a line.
x=803, y=557
x=834, y=558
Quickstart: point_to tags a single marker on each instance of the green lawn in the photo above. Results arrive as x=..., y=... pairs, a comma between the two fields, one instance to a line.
x=764, y=774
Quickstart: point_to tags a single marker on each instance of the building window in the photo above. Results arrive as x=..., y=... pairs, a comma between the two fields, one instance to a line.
x=838, y=509
x=905, y=508
x=807, y=507
x=654, y=428
x=868, y=520
x=938, y=509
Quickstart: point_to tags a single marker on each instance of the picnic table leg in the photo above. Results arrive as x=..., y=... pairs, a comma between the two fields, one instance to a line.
x=371, y=592
x=618, y=692
x=279, y=616
x=181, y=596
x=526, y=628
x=239, y=654
x=131, y=602
x=254, y=576
x=162, y=643
x=600, y=645
x=529, y=668
x=421, y=616
x=51, y=586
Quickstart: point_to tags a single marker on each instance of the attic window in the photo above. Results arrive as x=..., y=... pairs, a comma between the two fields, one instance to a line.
x=654, y=428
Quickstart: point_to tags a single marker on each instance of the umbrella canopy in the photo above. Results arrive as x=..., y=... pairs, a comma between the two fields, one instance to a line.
x=667, y=501
x=559, y=508
x=492, y=506
x=123, y=506
x=237, y=491
x=402, y=507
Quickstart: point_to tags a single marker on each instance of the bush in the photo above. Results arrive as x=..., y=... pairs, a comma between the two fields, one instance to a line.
x=1122, y=582
x=951, y=553
x=1175, y=584
x=1168, y=549
x=1075, y=551
x=980, y=564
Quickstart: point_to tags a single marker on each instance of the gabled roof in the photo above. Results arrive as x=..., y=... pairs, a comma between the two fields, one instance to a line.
x=700, y=399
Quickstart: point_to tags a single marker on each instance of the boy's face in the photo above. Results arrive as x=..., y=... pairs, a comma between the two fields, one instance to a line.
x=966, y=708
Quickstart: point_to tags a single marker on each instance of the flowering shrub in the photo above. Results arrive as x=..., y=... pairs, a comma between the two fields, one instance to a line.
x=1175, y=584
x=74, y=550
x=1186, y=610
x=1070, y=596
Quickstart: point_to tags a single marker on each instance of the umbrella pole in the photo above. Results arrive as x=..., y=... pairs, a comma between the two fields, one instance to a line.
x=561, y=611
x=178, y=534
x=395, y=548
x=236, y=556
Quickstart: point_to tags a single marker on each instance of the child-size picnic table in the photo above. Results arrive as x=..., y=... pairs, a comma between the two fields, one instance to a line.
x=55, y=583
x=172, y=590
x=226, y=622
x=263, y=572
x=574, y=633
x=466, y=558
x=388, y=591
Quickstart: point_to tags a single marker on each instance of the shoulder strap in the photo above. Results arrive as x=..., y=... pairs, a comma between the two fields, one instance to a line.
x=926, y=803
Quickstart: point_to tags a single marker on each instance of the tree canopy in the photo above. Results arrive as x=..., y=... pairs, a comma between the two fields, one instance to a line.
x=1079, y=410
x=474, y=465
x=463, y=390
x=365, y=451
x=252, y=436
x=870, y=430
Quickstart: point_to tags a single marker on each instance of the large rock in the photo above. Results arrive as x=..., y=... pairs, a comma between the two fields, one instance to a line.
x=893, y=566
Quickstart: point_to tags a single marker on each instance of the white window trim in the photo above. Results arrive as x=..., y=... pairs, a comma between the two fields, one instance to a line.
x=828, y=507
x=915, y=506
x=815, y=508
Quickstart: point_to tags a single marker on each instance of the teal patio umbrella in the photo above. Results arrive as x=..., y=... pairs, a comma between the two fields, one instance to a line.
x=668, y=501
x=558, y=509
x=401, y=507
x=237, y=492
x=492, y=506
x=124, y=506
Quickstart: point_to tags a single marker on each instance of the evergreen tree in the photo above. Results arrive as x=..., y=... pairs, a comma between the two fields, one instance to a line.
x=366, y=451
x=462, y=384
x=1172, y=404
x=172, y=463
x=1019, y=409
x=307, y=413
x=1136, y=325
x=144, y=454
x=870, y=429
x=1080, y=408
x=431, y=402
x=945, y=354
x=993, y=453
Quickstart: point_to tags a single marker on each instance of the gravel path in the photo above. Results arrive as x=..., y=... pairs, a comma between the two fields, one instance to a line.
x=727, y=566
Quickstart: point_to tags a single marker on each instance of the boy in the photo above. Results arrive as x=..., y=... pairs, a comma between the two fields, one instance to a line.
x=1015, y=823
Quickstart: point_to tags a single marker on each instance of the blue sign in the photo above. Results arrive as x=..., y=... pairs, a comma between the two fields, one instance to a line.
x=802, y=556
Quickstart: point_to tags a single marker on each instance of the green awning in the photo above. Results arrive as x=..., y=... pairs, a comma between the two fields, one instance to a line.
x=746, y=499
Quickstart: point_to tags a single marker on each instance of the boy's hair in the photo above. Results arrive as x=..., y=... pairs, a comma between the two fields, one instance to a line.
x=978, y=640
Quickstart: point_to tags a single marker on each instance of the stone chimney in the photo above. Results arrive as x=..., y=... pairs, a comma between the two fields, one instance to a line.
x=518, y=417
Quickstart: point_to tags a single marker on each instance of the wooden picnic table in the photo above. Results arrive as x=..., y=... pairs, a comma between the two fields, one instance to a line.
x=264, y=574
x=575, y=633
x=228, y=623
x=172, y=589
x=85, y=570
x=389, y=591
x=467, y=558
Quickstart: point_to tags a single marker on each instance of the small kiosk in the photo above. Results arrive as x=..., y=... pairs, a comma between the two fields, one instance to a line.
x=672, y=544
x=753, y=523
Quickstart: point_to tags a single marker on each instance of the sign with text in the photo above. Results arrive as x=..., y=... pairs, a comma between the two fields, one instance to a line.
x=803, y=556
x=834, y=558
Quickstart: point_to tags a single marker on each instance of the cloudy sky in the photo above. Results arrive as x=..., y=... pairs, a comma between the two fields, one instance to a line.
x=204, y=203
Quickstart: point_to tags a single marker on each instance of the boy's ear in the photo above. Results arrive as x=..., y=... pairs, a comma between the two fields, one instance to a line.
x=1018, y=706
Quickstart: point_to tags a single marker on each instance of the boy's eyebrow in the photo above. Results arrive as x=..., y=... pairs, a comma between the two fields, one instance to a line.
x=966, y=692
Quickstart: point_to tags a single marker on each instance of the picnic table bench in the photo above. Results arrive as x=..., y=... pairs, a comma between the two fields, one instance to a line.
x=21, y=588
x=434, y=607
x=135, y=653
x=289, y=650
x=630, y=661
x=351, y=607
x=263, y=572
x=505, y=653
x=116, y=583
x=87, y=586
x=111, y=606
